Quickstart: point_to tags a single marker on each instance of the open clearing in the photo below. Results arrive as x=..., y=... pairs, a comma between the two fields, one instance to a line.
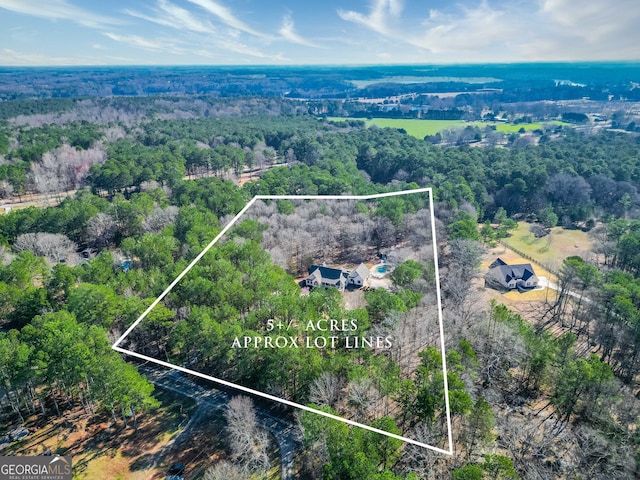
x=513, y=258
x=552, y=249
x=133, y=455
x=417, y=128
x=420, y=128
x=100, y=450
x=526, y=304
x=408, y=79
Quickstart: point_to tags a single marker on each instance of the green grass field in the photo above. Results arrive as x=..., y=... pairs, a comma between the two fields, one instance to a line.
x=509, y=128
x=421, y=128
x=552, y=249
x=416, y=128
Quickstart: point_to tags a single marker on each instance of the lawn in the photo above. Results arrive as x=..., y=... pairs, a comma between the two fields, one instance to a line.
x=416, y=128
x=552, y=249
x=421, y=128
x=520, y=302
x=512, y=128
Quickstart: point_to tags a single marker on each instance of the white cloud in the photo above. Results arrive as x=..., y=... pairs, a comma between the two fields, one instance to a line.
x=170, y=15
x=15, y=58
x=467, y=30
x=379, y=15
x=288, y=32
x=585, y=30
x=226, y=16
x=235, y=46
x=387, y=30
x=501, y=30
x=57, y=10
x=594, y=20
x=203, y=53
x=206, y=40
x=209, y=41
x=459, y=33
x=177, y=47
x=148, y=44
x=119, y=60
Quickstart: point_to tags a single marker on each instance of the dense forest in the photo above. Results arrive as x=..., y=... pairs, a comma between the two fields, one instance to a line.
x=153, y=190
x=579, y=176
x=511, y=83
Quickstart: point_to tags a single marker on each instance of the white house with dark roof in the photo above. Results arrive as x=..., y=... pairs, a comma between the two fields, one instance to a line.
x=511, y=277
x=321, y=275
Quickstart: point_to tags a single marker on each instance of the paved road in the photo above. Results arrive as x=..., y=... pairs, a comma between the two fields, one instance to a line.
x=210, y=398
x=35, y=200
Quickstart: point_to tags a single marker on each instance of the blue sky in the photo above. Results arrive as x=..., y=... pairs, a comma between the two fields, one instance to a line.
x=219, y=32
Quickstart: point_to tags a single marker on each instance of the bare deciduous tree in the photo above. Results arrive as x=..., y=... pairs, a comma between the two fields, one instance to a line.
x=224, y=471
x=248, y=441
x=152, y=185
x=101, y=230
x=6, y=189
x=6, y=257
x=325, y=390
x=462, y=266
x=160, y=218
x=51, y=245
x=363, y=398
x=498, y=348
x=113, y=133
x=425, y=463
x=314, y=458
x=65, y=168
x=527, y=439
x=418, y=228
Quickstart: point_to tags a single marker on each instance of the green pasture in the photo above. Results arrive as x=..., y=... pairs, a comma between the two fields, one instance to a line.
x=552, y=249
x=421, y=128
x=417, y=128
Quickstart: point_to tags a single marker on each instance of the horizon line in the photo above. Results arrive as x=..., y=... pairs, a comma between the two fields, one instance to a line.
x=330, y=65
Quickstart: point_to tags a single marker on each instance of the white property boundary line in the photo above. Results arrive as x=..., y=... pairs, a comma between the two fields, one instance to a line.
x=288, y=402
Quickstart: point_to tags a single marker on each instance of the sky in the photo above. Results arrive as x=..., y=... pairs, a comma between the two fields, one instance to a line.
x=302, y=32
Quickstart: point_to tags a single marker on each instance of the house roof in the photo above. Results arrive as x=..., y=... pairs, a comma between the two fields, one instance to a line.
x=497, y=263
x=327, y=273
x=506, y=273
x=361, y=270
x=316, y=275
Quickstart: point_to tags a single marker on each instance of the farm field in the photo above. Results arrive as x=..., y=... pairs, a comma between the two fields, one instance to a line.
x=512, y=128
x=417, y=128
x=408, y=79
x=421, y=128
